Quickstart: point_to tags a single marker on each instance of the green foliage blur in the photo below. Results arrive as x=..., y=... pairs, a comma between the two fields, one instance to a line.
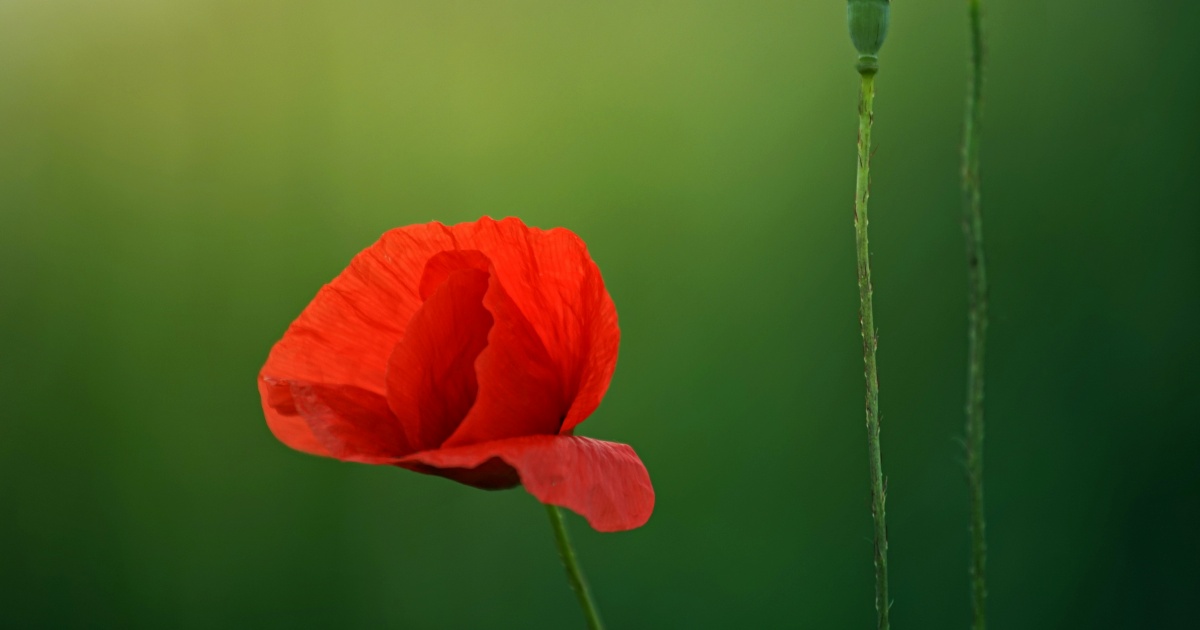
x=177, y=179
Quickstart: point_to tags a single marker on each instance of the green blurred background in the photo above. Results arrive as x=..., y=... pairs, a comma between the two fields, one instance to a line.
x=177, y=179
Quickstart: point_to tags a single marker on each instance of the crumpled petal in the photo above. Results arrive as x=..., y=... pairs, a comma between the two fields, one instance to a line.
x=431, y=379
x=552, y=279
x=605, y=482
x=520, y=390
x=346, y=334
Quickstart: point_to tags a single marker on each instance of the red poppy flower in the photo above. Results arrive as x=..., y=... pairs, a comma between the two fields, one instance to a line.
x=471, y=352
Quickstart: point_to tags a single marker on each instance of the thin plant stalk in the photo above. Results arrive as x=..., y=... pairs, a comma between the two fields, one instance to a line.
x=866, y=115
x=574, y=574
x=977, y=304
x=868, y=21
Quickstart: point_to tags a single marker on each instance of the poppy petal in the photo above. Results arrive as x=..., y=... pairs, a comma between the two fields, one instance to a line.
x=442, y=264
x=284, y=420
x=352, y=424
x=347, y=333
x=520, y=391
x=555, y=284
x=600, y=338
x=431, y=379
x=605, y=482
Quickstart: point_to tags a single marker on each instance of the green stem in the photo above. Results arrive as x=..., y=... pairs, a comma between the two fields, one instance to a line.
x=866, y=115
x=976, y=316
x=574, y=574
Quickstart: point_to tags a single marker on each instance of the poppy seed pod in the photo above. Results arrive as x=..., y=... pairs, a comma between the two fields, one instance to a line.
x=868, y=21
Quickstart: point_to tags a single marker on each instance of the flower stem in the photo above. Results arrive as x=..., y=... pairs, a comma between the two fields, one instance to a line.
x=866, y=115
x=574, y=574
x=977, y=314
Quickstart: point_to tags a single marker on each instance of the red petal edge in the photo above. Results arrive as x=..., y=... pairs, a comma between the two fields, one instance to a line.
x=605, y=482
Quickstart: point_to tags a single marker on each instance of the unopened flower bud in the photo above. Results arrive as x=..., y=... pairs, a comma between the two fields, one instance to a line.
x=868, y=21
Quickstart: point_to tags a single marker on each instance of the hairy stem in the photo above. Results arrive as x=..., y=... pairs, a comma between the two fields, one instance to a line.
x=574, y=574
x=866, y=115
x=977, y=301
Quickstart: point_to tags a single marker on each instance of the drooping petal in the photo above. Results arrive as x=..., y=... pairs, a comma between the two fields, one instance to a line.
x=431, y=380
x=552, y=280
x=352, y=424
x=605, y=482
x=520, y=388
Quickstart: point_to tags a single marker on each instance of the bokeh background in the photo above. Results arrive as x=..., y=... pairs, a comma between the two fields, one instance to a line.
x=177, y=179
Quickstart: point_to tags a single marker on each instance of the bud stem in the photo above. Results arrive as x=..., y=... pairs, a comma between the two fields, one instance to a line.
x=977, y=301
x=866, y=116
